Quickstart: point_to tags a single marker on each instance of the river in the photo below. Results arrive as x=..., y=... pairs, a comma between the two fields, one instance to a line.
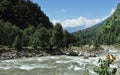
x=53, y=65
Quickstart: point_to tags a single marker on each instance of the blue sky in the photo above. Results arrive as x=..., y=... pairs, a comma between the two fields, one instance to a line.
x=77, y=12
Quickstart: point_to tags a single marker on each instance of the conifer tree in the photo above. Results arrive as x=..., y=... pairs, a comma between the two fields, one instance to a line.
x=17, y=43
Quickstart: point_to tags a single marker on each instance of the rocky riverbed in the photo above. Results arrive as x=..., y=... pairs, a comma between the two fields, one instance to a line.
x=11, y=53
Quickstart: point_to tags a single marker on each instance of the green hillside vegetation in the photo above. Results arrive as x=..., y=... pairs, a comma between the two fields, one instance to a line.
x=86, y=36
x=23, y=13
x=106, y=33
x=109, y=32
x=24, y=24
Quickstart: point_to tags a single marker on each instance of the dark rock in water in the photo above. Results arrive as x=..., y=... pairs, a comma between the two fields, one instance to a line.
x=74, y=53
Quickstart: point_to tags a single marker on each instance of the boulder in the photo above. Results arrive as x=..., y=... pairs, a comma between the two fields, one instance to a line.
x=74, y=53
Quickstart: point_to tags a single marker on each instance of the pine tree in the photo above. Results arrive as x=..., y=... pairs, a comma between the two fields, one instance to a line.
x=17, y=43
x=40, y=38
x=66, y=39
x=26, y=35
x=57, y=37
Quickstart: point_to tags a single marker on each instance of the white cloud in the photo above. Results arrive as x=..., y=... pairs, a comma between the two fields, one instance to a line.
x=80, y=21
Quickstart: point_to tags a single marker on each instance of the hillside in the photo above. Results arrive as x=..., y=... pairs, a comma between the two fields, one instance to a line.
x=23, y=13
x=86, y=36
x=107, y=32
x=24, y=24
x=20, y=17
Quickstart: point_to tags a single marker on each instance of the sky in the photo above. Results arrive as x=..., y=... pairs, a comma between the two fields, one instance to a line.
x=71, y=13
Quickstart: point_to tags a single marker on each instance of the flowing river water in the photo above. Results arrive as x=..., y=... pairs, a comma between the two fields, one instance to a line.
x=54, y=65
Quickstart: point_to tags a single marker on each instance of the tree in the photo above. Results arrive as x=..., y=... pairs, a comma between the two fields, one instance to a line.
x=8, y=33
x=43, y=37
x=26, y=35
x=34, y=40
x=66, y=39
x=17, y=43
x=40, y=38
x=57, y=37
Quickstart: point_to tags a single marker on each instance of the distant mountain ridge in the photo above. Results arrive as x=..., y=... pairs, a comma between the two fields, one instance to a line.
x=74, y=29
x=79, y=28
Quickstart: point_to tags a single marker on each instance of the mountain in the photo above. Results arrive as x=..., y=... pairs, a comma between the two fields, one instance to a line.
x=107, y=32
x=24, y=24
x=20, y=19
x=23, y=13
x=79, y=28
x=74, y=29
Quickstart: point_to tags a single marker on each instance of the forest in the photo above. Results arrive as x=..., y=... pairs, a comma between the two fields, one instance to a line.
x=24, y=24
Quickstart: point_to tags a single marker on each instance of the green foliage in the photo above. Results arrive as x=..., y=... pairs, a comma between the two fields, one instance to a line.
x=23, y=13
x=86, y=37
x=17, y=43
x=66, y=39
x=57, y=37
x=34, y=40
x=40, y=38
x=104, y=66
x=18, y=15
x=109, y=31
x=23, y=24
x=27, y=34
x=8, y=32
x=43, y=37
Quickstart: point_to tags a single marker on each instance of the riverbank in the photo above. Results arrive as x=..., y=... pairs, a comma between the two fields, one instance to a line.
x=11, y=53
x=7, y=53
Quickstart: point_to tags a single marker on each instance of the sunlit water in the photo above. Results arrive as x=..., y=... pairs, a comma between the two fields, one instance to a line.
x=53, y=65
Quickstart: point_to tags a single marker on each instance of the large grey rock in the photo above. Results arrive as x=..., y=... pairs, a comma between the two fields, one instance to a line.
x=74, y=53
